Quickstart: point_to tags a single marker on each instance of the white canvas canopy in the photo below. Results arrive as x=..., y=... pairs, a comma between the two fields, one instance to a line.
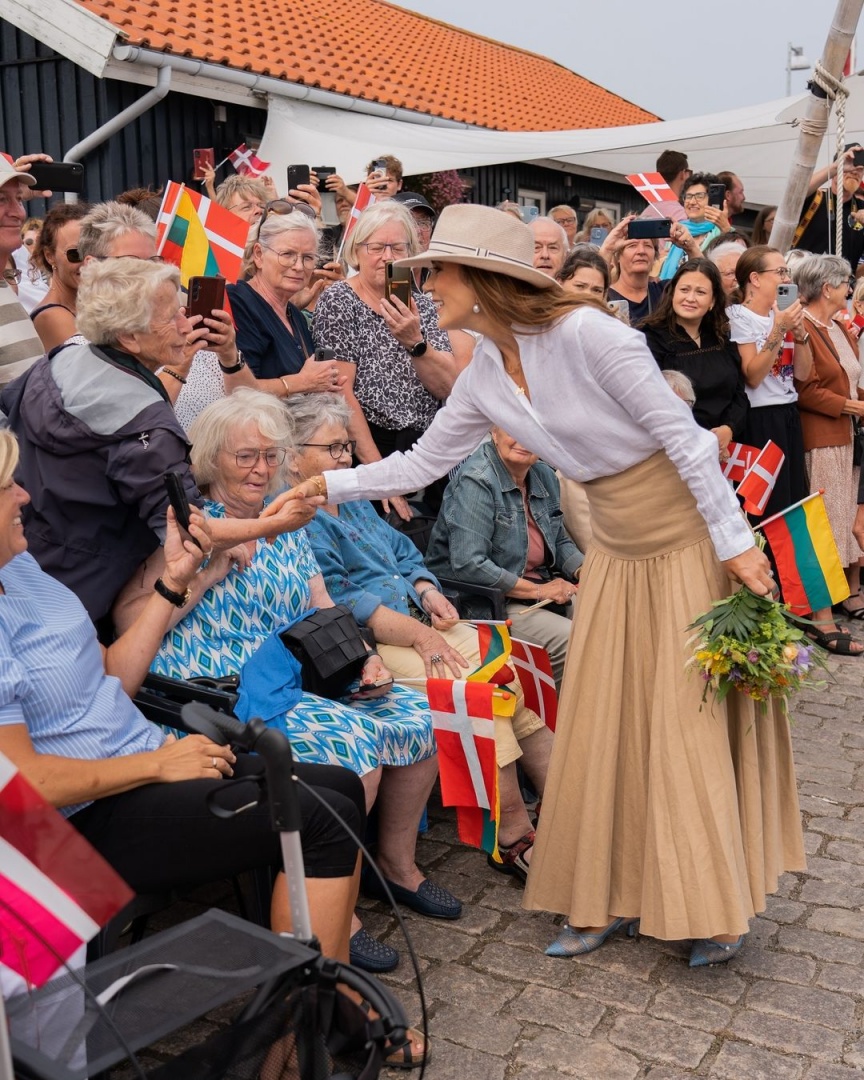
x=756, y=142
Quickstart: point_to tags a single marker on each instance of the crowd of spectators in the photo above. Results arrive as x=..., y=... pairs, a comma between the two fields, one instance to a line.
x=107, y=385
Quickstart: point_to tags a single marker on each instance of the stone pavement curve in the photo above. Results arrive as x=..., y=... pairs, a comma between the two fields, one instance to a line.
x=790, y=1006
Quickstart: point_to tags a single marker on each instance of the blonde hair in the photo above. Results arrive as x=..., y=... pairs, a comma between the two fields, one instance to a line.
x=117, y=297
x=8, y=456
x=374, y=217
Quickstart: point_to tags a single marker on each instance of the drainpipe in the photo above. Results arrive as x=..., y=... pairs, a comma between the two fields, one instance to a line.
x=118, y=122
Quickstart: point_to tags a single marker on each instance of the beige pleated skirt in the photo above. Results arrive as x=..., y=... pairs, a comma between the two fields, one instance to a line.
x=656, y=806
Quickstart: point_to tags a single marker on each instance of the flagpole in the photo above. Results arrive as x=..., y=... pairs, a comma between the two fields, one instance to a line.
x=486, y=622
x=783, y=513
x=6, y=1072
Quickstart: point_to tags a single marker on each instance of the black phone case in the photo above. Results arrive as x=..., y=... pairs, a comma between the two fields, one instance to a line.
x=297, y=175
x=178, y=499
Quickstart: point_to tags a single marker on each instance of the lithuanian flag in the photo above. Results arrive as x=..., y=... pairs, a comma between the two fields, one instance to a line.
x=495, y=649
x=803, y=546
x=199, y=236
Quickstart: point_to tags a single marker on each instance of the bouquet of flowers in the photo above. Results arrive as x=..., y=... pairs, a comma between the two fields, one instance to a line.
x=752, y=644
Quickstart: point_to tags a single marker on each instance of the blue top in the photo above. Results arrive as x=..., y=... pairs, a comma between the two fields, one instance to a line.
x=52, y=676
x=365, y=561
x=481, y=535
x=268, y=348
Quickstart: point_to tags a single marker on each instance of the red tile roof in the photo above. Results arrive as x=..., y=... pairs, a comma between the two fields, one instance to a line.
x=376, y=51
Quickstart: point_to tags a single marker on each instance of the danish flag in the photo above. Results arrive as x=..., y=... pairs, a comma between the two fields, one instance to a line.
x=741, y=457
x=652, y=187
x=756, y=487
x=247, y=162
x=55, y=889
x=538, y=684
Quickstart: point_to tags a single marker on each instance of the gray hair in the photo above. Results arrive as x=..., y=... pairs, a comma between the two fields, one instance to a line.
x=244, y=186
x=273, y=226
x=109, y=221
x=211, y=430
x=719, y=252
x=680, y=385
x=374, y=217
x=117, y=296
x=565, y=243
x=812, y=273
x=309, y=412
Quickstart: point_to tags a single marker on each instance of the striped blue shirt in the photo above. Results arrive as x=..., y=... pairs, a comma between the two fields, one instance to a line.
x=52, y=677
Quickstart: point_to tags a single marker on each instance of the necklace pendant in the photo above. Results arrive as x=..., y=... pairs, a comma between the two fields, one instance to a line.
x=519, y=390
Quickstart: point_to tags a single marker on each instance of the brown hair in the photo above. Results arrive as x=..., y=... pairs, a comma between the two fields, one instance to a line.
x=57, y=216
x=392, y=164
x=664, y=317
x=510, y=301
x=751, y=262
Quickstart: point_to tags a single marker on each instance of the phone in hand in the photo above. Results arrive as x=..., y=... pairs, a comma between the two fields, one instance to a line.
x=179, y=501
x=529, y=213
x=398, y=283
x=619, y=307
x=786, y=296
x=858, y=159
x=328, y=199
x=325, y=354
x=716, y=195
x=58, y=176
x=297, y=175
x=649, y=228
x=370, y=690
x=598, y=235
x=202, y=159
x=205, y=294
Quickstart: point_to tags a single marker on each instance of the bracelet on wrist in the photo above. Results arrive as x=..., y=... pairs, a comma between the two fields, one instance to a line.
x=320, y=485
x=282, y=379
x=422, y=593
x=174, y=375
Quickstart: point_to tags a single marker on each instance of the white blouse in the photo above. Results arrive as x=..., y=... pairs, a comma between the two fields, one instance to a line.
x=599, y=405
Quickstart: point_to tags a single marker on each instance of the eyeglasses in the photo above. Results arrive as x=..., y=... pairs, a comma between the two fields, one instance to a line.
x=11, y=274
x=398, y=251
x=337, y=449
x=102, y=258
x=281, y=207
x=781, y=271
x=564, y=221
x=289, y=258
x=696, y=196
x=248, y=459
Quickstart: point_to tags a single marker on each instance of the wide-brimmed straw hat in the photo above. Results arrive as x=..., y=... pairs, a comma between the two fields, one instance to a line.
x=483, y=237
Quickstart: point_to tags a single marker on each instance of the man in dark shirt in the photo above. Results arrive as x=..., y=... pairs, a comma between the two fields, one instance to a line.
x=816, y=230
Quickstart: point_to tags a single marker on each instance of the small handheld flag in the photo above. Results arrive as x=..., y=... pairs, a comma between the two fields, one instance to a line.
x=198, y=235
x=808, y=562
x=756, y=487
x=55, y=889
x=652, y=187
x=494, y=640
x=363, y=199
x=247, y=162
x=741, y=457
x=538, y=683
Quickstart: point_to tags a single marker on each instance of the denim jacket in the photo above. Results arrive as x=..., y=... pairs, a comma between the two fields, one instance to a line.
x=481, y=535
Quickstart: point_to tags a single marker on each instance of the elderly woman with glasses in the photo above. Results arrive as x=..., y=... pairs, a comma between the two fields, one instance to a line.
x=239, y=447
x=272, y=333
x=399, y=363
x=775, y=351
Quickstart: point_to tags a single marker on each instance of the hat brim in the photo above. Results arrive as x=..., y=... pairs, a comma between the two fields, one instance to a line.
x=22, y=177
x=497, y=266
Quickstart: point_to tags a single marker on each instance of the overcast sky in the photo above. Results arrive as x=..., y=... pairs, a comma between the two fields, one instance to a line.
x=673, y=57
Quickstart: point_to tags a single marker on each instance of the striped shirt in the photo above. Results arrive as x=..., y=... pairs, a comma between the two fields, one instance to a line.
x=52, y=677
x=20, y=345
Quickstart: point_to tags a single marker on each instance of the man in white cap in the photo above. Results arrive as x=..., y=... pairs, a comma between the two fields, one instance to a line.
x=19, y=343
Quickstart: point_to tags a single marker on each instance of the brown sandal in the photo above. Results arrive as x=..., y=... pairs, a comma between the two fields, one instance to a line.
x=512, y=861
x=404, y=1056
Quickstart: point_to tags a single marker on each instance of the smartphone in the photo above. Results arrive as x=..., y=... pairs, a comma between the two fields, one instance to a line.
x=205, y=294
x=363, y=692
x=858, y=158
x=379, y=166
x=323, y=172
x=325, y=354
x=598, y=235
x=179, y=500
x=716, y=195
x=58, y=176
x=297, y=175
x=201, y=159
x=529, y=213
x=786, y=296
x=648, y=228
x=620, y=307
x=398, y=283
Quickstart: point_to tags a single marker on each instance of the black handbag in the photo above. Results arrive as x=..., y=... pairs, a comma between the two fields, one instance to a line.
x=857, y=442
x=330, y=648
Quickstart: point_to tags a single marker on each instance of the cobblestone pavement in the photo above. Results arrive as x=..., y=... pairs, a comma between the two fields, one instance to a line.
x=790, y=1006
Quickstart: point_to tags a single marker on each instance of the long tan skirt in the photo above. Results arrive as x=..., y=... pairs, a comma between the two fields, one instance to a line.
x=655, y=807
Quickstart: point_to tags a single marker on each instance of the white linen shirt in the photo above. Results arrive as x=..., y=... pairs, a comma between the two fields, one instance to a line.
x=599, y=405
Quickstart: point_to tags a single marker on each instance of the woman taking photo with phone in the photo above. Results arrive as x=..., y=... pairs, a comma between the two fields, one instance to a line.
x=656, y=809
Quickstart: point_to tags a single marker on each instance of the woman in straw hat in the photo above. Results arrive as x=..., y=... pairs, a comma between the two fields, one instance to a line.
x=655, y=810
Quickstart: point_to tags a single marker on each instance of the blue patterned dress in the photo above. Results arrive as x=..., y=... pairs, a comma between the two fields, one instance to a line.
x=235, y=617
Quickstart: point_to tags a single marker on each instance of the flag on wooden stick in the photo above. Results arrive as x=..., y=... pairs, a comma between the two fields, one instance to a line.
x=56, y=891
x=808, y=562
x=756, y=487
x=534, y=669
x=462, y=716
x=198, y=235
x=652, y=187
x=741, y=457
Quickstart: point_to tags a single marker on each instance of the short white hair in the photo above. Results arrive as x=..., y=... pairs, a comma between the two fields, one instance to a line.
x=108, y=222
x=680, y=385
x=117, y=296
x=565, y=243
x=373, y=218
x=719, y=252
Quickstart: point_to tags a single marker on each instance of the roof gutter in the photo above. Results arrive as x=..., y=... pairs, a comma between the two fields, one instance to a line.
x=265, y=84
x=118, y=122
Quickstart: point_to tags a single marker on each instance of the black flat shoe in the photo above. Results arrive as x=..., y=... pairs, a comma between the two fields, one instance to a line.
x=429, y=899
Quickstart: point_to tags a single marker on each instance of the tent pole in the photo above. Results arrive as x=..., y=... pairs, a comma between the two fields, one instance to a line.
x=815, y=122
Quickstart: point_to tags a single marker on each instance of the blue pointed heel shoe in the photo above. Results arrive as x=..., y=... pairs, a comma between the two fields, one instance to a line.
x=572, y=942
x=707, y=951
